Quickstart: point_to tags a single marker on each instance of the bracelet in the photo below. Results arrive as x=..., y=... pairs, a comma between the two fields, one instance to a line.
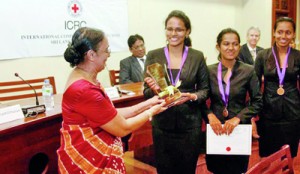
x=149, y=114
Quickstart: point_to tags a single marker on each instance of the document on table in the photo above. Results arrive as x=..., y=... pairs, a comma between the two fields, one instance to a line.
x=237, y=143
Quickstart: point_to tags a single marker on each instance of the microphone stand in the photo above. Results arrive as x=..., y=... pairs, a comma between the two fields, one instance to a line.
x=36, y=98
x=32, y=110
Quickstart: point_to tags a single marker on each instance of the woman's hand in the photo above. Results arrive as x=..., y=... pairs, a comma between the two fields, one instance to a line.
x=215, y=124
x=254, y=128
x=155, y=100
x=152, y=84
x=156, y=105
x=186, y=97
x=230, y=125
x=156, y=109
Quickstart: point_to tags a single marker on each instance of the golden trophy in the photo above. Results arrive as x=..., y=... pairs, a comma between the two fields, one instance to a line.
x=168, y=92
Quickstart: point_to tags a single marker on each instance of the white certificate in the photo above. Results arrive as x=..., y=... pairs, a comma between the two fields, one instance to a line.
x=237, y=143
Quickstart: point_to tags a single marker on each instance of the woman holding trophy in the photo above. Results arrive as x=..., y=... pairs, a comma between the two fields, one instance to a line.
x=183, y=77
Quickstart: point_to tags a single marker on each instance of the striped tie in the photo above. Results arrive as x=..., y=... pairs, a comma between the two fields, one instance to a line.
x=253, y=54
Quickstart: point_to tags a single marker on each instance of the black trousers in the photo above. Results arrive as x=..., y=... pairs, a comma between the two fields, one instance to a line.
x=227, y=164
x=176, y=152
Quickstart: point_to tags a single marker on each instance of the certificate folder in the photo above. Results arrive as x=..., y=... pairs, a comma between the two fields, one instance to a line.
x=239, y=142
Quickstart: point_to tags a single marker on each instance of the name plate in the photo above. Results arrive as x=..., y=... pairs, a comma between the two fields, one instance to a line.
x=112, y=92
x=10, y=113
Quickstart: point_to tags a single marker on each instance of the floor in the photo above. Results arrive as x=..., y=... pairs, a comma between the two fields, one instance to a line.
x=134, y=166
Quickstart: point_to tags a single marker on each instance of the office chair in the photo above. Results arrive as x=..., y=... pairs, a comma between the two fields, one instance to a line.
x=114, y=76
x=14, y=90
x=280, y=161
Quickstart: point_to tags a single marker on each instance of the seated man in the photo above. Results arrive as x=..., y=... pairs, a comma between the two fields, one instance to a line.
x=249, y=50
x=132, y=67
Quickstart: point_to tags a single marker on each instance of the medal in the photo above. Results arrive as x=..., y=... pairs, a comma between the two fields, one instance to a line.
x=224, y=93
x=225, y=112
x=281, y=74
x=280, y=90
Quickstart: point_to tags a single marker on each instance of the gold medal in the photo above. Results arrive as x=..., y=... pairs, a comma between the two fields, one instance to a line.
x=225, y=112
x=280, y=90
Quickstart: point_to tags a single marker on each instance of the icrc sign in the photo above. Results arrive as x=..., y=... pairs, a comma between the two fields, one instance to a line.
x=35, y=28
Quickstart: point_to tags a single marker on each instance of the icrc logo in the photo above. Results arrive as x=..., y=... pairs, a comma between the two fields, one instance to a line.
x=74, y=8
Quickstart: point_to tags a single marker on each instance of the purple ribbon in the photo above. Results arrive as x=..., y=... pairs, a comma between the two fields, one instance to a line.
x=184, y=56
x=225, y=95
x=281, y=74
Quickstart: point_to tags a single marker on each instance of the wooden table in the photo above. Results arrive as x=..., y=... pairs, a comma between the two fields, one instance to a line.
x=21, y=139
x=129, y=100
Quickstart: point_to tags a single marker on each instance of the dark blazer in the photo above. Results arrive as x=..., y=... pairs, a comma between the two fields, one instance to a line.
x=245, y=55
x=243, y=80
x=130, y=71
x=194, y=79
x=279, y=106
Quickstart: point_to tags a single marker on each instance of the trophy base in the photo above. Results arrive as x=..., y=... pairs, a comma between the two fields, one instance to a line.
x=170, y=100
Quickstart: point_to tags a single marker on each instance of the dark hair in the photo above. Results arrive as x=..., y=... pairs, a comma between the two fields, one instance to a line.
x=226, y=31
x=188, y=42
x=285, y=19
x=185, y=19
x=133, y=38
x=83, y=40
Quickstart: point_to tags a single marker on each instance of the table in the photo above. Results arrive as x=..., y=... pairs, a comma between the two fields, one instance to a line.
x=21, y=139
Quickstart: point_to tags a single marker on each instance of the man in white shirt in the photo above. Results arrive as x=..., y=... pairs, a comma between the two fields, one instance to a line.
x=132, y=67
x=248, y=51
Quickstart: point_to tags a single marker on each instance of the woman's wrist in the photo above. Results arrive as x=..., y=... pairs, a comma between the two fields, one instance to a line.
x=194, y=97
x=210, y=115
x=150, y=114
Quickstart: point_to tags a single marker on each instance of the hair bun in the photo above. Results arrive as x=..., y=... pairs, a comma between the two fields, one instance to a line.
x=71, y=55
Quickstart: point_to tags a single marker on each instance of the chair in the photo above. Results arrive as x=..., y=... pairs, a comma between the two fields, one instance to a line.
x=14, y=90
x=280, y=161
x=114, y=76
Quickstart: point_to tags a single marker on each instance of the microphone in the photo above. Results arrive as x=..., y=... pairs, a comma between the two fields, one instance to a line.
x=36, y=98
x=33, y=109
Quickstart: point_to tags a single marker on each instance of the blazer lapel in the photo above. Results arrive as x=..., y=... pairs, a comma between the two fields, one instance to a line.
x=291, y=60
x=137, y=71
x=249, y=56
x=136, y=64
x=186, y=66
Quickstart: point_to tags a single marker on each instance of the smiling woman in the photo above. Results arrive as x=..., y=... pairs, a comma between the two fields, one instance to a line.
x=230, y=81
x=280, y=66
x=180, y=125
x=92, y=126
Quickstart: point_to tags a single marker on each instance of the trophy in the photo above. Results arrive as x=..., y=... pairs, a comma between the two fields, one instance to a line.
x=167, y=92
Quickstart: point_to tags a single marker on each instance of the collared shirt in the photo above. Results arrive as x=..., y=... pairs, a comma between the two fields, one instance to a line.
x=252, y=51
x=142, y=61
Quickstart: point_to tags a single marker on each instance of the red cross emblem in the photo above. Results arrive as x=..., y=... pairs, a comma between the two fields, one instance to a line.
x=75, y=8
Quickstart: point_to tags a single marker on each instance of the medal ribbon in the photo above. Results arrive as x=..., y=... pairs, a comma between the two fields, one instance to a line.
x=184, y=56
x=281, y=74
x=225, y=95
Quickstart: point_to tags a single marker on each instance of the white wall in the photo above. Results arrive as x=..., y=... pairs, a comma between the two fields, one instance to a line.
x=146, y=17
